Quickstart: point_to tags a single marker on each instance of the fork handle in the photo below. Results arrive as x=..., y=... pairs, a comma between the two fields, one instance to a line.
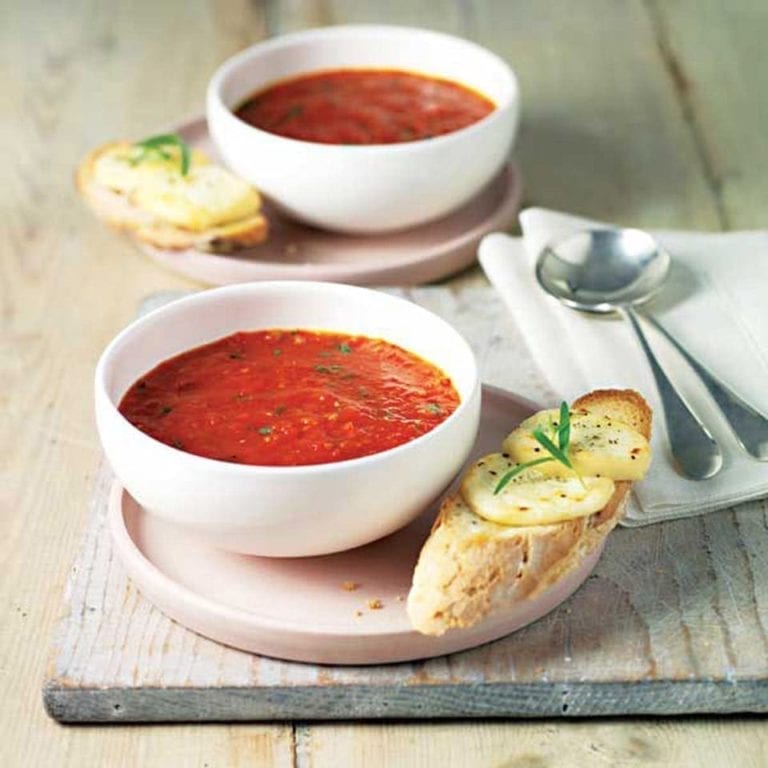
x=748, y=424
x=696, y=453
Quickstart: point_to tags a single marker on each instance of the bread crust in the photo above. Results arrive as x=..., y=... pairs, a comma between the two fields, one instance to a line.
x=118, y=211
x=625, y=405
x=471, y=568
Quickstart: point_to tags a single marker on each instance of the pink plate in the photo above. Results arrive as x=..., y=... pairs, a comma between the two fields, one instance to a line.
x=298, y=608
x=296, y=251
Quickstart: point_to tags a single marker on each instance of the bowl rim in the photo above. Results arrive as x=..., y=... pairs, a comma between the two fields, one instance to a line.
x=101, y=395
x=233, y=63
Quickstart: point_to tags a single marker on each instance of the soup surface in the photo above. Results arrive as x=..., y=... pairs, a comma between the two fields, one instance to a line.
x=364, y=106
x=290, y=397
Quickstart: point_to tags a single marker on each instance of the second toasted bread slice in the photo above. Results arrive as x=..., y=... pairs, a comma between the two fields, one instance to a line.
x=208, y=209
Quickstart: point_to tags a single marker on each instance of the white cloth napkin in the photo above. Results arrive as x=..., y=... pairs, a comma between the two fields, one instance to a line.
x=715, y=301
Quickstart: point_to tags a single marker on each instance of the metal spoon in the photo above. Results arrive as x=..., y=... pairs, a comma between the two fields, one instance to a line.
x=610, y=270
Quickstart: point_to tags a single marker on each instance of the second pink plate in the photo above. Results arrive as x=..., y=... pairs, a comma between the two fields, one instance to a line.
x=295, y=251
x=346, y=608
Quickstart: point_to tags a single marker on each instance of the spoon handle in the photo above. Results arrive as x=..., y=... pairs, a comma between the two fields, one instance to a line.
x=697, y=455
x=748, y=424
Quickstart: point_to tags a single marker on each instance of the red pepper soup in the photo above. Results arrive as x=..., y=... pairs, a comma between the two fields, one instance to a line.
x=290, y=397
x=364, y=106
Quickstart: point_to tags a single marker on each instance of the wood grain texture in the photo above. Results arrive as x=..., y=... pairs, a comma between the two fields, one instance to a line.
x=603, y=133
x=715, y=56
x=587, y=744
x=672, y=621
x=77, y=73
x=73, y=75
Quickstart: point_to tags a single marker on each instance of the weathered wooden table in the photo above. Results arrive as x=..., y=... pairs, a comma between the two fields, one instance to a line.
x=650, y=113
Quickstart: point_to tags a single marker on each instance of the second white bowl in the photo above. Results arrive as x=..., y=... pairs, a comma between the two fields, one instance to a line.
x=365, y=189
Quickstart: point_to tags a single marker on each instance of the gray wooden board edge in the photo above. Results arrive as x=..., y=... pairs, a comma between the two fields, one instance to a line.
x=362, y=702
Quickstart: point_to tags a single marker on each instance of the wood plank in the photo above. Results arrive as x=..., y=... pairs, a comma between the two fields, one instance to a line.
x=76, y=74
x=443, y=15
x=395, y=701
x=716, y=57
x=601, y=744
x=603, y=133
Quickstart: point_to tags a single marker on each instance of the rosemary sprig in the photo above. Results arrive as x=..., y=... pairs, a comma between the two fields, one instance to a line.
x=557, y=452
x=564, y=430
x=157, y=146
x=516, y=471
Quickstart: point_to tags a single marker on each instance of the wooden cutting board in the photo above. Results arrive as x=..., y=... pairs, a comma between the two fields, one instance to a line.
x=673, y=620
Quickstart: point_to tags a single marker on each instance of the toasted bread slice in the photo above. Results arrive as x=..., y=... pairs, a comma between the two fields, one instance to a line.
x=471, y=568
x=139, y=204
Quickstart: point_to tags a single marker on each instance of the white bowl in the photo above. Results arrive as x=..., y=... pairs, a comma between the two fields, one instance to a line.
x=372, y=188
x=286, y=511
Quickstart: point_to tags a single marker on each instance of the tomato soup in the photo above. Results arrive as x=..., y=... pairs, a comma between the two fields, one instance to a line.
x=290, y=397
x=364, y=106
